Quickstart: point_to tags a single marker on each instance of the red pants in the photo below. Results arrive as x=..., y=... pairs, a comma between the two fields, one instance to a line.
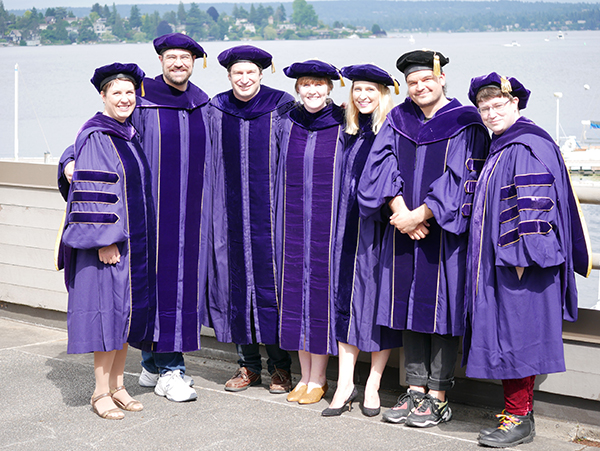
x=518, y=395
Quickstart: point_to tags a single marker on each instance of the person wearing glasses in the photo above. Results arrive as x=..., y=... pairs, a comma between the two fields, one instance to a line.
x=527, y=240
x=421, y=174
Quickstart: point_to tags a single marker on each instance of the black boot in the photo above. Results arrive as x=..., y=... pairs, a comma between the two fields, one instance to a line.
x=513, y=430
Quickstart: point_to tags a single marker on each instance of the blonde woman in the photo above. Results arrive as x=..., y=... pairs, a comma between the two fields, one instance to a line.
x=356, y=251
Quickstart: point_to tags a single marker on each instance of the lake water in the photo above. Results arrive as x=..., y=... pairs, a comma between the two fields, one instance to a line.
x=56, y=97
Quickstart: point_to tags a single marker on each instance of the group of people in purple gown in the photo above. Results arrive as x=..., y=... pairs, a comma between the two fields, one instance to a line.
x=305, y=226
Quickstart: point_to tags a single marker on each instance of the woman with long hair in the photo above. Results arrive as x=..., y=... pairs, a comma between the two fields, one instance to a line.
x=357, y=244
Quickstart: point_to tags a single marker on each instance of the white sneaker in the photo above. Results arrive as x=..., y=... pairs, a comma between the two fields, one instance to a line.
x=148, y=379
x=172, y=385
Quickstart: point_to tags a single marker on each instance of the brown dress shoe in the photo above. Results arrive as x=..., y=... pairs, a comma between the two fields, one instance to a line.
x=281, y=382
x=242, y=379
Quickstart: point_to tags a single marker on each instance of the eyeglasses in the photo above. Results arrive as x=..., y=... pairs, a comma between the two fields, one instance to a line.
x=488, y=109
x=185, y=59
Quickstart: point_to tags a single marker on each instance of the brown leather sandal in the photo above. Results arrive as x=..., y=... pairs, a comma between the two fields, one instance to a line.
x=132, y=406
x=112, y=414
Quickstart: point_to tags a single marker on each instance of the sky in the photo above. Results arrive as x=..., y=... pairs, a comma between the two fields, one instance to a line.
x=42, y=4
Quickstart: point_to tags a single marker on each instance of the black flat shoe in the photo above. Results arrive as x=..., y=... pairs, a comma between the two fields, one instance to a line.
x=329, y=412
x=370, y=412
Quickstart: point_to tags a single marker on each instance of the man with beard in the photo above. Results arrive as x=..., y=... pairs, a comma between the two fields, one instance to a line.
x=170, y=118
x=420, y=177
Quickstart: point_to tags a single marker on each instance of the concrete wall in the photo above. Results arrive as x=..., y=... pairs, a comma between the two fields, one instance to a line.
x=31, y=211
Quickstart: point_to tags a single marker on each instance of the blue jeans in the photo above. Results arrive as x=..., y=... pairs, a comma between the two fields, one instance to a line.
x=250, y=358
x=162, y=362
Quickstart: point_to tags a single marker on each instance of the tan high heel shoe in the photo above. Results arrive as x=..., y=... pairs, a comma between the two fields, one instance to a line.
x=112, y=414
x=132, y=406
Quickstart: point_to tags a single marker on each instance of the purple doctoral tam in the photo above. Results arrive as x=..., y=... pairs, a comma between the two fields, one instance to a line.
x=178, y=41
x=369, y=72
x=245, y=53
x=312, y=68
x=105, y=74
x=508, y=85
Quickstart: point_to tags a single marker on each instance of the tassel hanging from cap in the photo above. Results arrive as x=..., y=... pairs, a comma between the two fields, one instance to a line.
x=505, y=85
x=272, y=67
x=437, y=69
x=204, y=61
x=396, y=87
x=142, y=90
x=342, y=84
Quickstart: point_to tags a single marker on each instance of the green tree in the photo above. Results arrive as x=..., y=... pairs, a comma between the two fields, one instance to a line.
x=135, y=20
x=96, y=8
x=86, y=31
x=112, y=16
x=57, y=33
x=50, y=12
x=269, y=33
x=304, y=15
x=60, y=13
x=149, y=24
x=280, y=15
x=181, y=14
x=170, y=17
x=4, y=18
x=105, y=12
x=118, y=29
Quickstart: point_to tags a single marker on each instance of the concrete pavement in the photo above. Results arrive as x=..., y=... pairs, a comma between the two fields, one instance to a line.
x=45, y=405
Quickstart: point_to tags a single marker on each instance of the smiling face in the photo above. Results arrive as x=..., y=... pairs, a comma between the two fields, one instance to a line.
x=119, y=99
x=177, y=67
x=499, y=113
x=245, y=80
x=313, y=93
x=365, y=95
x=427, y=90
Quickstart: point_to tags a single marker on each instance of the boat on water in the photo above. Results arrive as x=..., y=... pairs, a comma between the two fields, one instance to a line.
x=582, y=155
x=513, y=44
x=560, y=35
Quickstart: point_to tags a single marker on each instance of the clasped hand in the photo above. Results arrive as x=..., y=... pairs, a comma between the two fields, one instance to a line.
x=411, y=222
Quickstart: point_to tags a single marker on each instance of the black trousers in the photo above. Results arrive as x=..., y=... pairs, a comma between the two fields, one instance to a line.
x=429, y=359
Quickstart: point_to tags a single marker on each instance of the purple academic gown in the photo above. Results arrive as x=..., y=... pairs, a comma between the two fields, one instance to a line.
x=356, y=255
x=436, y=162
x=242, y=288
x=109, y=201
x=174, y=136
x=307, y=196
x=524, y=214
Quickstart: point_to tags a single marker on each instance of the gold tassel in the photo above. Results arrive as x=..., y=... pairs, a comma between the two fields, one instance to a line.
x=342, y=84
x=505, y=85
x=437, y=69
x=204, y=63
x=272, y=67
x=142, y=89
x=396, y=87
